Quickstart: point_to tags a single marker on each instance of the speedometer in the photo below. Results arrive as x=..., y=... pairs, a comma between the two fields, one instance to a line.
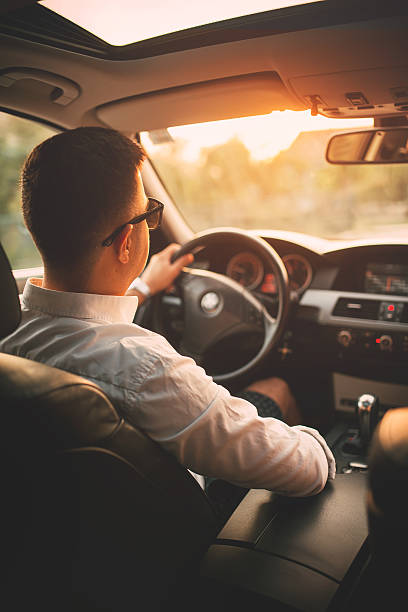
x=299, y=271
x=246, y=268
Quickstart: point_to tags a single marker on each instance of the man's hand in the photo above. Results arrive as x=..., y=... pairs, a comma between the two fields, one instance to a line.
x=160, y=272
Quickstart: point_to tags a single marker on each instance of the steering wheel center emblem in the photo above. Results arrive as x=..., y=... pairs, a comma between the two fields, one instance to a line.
x=211, y=302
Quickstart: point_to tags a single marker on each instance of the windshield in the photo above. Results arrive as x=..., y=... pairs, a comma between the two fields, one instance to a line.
x=270, y=172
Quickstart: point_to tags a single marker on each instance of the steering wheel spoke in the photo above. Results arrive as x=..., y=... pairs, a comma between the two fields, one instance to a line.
x=270, y=322
x=253, y=312
x=212, y=309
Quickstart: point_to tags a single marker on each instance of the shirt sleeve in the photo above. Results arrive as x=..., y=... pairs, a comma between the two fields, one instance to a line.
x=215, y=434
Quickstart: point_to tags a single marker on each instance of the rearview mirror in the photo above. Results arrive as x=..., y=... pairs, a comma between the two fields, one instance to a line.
x=379, y=146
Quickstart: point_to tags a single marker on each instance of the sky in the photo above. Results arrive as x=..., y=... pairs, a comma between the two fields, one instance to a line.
x=120, y=22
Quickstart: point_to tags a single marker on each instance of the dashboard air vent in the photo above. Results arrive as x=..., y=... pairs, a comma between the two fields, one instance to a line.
x=357, y=309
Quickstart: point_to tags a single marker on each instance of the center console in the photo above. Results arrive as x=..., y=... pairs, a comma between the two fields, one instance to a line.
x=362, y=309
x=300, y=554
x=291, y=554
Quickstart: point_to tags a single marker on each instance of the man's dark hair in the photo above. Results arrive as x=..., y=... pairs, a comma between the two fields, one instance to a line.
x=77, y=186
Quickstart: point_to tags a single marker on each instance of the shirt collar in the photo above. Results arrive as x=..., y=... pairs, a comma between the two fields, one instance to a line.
x=112, y=308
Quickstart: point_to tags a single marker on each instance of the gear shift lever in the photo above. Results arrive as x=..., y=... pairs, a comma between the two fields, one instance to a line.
x=368, y=407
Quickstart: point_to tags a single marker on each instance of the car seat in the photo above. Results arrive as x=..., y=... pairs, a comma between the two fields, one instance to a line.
x=95, y=515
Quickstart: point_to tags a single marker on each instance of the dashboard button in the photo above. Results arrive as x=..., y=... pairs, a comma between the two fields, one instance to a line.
x=385, y=343
x=367, y=340
x=391, y=311
x=344, y=338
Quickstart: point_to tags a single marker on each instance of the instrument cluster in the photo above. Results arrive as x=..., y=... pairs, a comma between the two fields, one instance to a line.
x=247, y=269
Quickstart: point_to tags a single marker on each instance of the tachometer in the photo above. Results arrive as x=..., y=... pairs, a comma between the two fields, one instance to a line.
x=246, y=268
x=299, y=271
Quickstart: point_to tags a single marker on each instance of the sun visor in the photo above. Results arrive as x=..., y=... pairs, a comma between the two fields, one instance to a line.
x=356, y=93
x=244, y=95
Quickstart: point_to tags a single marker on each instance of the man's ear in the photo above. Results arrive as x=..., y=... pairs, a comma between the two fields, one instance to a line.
x=123, y=242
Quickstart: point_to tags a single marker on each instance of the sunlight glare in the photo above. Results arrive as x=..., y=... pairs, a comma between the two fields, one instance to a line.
x=264, y=135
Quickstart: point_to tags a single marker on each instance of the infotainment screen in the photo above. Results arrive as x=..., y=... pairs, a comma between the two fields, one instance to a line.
x=386, y=278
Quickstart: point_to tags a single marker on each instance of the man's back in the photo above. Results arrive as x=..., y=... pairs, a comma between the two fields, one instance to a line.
x=166, y=394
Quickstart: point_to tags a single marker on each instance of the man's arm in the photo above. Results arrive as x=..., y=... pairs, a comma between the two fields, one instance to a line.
x=216, y=434
x=233, y=443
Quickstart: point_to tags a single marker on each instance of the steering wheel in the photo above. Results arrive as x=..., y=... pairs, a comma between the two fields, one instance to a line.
x=216, y=307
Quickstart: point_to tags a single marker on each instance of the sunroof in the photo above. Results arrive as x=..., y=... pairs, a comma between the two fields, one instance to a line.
x=120, y=22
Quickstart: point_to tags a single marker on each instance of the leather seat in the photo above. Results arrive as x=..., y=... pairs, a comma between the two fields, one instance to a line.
x=96, y=516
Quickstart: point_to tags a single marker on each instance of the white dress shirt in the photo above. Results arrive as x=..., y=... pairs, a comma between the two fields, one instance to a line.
x=166, y=394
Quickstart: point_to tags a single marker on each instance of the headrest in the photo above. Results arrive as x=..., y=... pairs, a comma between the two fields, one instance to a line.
x=10, y=312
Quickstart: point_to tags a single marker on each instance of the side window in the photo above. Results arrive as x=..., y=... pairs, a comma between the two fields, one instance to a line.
x=17, y=138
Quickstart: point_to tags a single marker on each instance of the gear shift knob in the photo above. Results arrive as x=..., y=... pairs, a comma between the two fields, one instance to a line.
x=368, y=407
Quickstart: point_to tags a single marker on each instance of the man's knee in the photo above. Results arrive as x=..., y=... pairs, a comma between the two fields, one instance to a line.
x=274, y=387
x=279, y=390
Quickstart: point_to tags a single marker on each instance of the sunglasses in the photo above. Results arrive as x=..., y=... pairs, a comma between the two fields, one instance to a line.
x=152, y=215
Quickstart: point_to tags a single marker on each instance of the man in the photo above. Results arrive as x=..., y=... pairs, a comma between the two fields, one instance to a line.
x=85, y=206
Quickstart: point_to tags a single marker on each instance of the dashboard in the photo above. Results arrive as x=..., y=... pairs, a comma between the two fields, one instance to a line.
x=247, y=268
x=350, y=300
x=387, y=278
x=347, y=329
x=367, y=268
